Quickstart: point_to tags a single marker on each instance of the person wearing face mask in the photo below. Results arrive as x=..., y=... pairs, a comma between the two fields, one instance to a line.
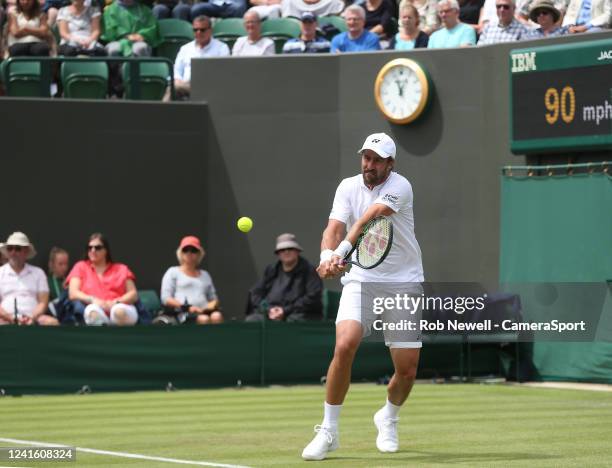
x=410, y=35
x=24, y=293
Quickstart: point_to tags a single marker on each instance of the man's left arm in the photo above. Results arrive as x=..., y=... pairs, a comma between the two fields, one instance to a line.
x=375, y=210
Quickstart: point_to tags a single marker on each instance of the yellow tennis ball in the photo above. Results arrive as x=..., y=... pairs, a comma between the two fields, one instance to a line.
x=245, y=224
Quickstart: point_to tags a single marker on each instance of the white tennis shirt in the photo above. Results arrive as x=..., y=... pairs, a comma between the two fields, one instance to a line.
x=353, y=198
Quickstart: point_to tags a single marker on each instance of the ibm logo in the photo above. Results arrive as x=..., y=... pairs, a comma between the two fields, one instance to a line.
x=523, y=62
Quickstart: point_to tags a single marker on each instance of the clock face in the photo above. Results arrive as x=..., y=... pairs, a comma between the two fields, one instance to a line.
x=401, y=90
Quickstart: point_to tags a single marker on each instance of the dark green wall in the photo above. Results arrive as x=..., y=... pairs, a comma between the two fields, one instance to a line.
x=131, y=170
x=271, y=140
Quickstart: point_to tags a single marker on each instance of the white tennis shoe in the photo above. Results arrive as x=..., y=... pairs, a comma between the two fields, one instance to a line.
x=387, y=440
x=325, y=441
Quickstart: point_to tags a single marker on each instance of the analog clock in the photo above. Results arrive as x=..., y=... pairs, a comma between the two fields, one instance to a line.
x=402, y=90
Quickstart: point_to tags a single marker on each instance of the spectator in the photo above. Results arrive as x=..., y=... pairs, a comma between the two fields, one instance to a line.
x=295, y=8
x=588, y=15
x=428, y=14
x=79, y=28
x=253, y=43
x=379, y=17
x=28, y=31
x=102, y=292
x=357, y=38
x=219, y=8
x=51, y=8
x=178, y=9
x=547, y=16
x=308, y=42
x=58, y=268
x=507, y=29
x=204, y=45
x=453, y=33
x=130, y=29
x=23, y=287
x=409, y=35
x=524, y=7
x=290, y=289
x=266, y=8
x=488, y=15
x=469, y=12
x=187, y=285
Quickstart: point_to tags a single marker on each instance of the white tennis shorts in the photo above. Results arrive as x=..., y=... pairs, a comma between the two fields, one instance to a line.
x=351, y=309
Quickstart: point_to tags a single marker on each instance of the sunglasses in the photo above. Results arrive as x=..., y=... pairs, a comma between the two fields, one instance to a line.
x=192, y=250
x=502, y=7
x=200, y=29
x=96, y=247
x=16, y=248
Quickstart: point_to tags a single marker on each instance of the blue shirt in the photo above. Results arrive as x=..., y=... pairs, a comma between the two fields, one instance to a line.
x=401, y=44
x=343, y=43
x=461, y=34
x=584, y=14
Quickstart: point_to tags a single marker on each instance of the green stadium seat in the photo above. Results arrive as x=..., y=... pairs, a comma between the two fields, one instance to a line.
x=279, y=30
x=153, y=80
x=331, y=302
x=175, y=33
x=85, y=79
x=228, y=30
x=23, y=79
x=336, y=23
x=150, y=300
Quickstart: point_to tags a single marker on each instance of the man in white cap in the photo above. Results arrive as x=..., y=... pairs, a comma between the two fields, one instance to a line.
x=377, y=191
x=24, y=292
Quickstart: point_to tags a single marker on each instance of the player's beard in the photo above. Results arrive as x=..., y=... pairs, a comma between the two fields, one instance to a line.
x=374, y=178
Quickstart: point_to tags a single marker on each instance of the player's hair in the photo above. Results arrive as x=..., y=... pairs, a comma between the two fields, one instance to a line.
x=254, y=12
x=179, y=256
x=454, y=4
x=355, y=9
x=54, y=252
x=102, y=238
x=407, y=5
x=202, y=19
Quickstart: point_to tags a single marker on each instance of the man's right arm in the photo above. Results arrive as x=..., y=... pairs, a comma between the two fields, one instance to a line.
x=332, y=236
x=6, y=315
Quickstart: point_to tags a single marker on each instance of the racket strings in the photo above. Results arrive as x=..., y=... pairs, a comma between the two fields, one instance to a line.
x=374, y=242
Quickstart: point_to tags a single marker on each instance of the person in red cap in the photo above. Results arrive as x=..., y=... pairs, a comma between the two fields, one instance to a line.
x=186, y=288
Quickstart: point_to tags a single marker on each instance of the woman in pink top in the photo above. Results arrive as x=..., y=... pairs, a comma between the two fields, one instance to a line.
x=103, y=292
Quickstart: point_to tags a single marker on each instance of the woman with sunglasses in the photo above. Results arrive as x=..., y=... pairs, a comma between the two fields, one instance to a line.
x=103, y=292
x=189, y=289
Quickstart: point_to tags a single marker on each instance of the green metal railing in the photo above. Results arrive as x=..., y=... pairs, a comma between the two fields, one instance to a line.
x=46, y=63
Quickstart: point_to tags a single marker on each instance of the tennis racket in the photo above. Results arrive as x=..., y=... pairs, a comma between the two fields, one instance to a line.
x=373, y=244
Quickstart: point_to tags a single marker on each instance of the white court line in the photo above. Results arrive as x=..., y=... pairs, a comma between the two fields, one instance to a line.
x=122, y=454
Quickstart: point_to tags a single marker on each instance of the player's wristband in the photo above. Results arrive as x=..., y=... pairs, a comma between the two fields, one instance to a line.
x=326, y=255
x=343, y=249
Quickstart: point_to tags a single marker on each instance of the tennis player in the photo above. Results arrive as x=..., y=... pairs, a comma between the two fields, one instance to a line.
x=377, y=191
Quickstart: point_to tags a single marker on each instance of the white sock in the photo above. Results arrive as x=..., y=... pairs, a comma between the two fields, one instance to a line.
x=330, y=416
x=391, y=410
